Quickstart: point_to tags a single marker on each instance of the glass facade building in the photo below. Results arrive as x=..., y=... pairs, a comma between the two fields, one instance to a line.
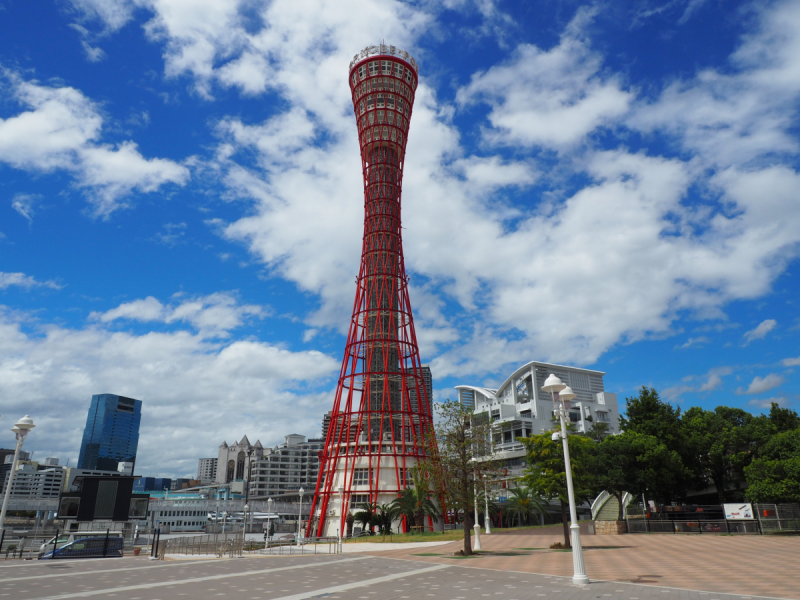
x=112, y=432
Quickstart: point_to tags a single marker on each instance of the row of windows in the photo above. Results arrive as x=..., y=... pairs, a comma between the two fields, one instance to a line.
x=386, y=133
x=381, y=100
x=383, y=67
x=380, y=84
x=380, y=116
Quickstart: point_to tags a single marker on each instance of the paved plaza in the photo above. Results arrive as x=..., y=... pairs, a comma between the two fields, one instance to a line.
x=346, y=576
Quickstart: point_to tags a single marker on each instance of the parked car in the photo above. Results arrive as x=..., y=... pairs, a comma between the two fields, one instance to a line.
x=70, y=536
x=91, y=547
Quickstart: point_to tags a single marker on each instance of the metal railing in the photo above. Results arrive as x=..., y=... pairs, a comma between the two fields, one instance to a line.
x=230, y=545
x=769, y=519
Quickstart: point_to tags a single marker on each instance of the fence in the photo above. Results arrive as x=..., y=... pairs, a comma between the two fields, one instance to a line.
x=770, y=519
x=231, y=545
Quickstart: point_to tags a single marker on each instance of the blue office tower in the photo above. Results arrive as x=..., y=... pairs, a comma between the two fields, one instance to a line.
x=112, y=432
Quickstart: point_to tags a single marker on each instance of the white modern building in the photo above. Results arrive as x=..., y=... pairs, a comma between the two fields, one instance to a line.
x=519, y=408
x=207, y=469
x=286, y=468
x=32, y=482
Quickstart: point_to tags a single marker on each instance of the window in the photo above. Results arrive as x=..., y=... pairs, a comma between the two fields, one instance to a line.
x=408, y=76
x=362, y=476
x=362, y=71
x=386, y=67
x=400, y=104
x=398, y=70
x=357, y=499
x=574, y=417
x=373, y=67
x=602, y=416
x=496, y=414
x=370, y=103
x=380, y=100
x=355, y=78
x=390, y=101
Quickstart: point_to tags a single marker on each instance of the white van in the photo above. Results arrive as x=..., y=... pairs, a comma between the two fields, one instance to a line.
x=68, y=537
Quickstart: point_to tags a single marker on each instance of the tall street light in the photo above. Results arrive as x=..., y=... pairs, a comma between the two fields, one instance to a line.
x=21, y=429
x=486, y=503
x=299, y=515
x=554, y=386
x=476, y=526
x=342, y=518
x=269, y=519
x=244, y=521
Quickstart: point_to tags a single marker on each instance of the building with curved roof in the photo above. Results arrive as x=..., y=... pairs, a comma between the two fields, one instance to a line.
x=519, y=408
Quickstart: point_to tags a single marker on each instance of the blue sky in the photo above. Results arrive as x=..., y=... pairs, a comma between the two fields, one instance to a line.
x=610, y=185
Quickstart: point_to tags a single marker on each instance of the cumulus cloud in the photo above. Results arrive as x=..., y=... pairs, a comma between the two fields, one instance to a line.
x=62, y=130
x=552, y=98
x=766, y=403
x=187, y=383
x=759, y=332
x=791, y=362
x=216, y=314
x=762, y=384
x=24, y=281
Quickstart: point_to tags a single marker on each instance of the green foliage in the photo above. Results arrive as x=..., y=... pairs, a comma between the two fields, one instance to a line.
x=366, y=515
x=457, y=472
x=523, y=504
x=598, y=431
x=415, y=502
x=774, y=476
x=783, y=419
x=546, y=476
x=385, y=515
x=636, y=463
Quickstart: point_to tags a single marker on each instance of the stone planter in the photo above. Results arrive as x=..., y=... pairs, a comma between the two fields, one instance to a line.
x=611, y=527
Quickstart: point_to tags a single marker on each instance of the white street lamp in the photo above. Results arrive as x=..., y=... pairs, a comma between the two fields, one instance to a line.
x=553, y=386
x=486, y=503
x=299, y=514
x=269, y=519
x=21, y=429
x=244, y=521
x=340, y=489
x=476, y=526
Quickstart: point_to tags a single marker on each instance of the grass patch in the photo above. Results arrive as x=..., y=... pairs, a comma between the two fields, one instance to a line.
x=447, y=536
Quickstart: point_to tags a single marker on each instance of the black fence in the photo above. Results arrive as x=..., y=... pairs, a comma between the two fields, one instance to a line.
x=700, y=519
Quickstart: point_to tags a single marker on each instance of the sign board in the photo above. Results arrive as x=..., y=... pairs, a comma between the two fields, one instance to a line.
x=738, y=512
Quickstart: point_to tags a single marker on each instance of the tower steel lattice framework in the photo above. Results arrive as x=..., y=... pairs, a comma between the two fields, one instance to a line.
x=381, y=423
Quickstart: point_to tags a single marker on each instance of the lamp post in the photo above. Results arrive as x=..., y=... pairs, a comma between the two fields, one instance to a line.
x=244, y=521
x=21, y=429
x=340, y=489
x=554, y=386
x=476, y=526
x=486, y=503
x=269, y=519
x=299, y=514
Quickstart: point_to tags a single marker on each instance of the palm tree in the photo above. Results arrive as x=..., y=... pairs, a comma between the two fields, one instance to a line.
x=414, y=503
x=523, y=504
x=366, y=515
x=385, y=516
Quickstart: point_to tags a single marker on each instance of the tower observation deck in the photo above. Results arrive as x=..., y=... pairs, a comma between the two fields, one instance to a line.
x=381, y=423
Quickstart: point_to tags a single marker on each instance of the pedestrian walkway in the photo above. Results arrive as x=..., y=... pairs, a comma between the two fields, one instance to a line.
x=748, y=565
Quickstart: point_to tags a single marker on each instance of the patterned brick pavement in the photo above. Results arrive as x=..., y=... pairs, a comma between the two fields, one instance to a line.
x=748, y=565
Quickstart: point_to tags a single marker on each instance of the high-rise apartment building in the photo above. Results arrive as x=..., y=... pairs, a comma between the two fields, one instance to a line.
x=112, y=432
x=286, y=468
x=207, y=469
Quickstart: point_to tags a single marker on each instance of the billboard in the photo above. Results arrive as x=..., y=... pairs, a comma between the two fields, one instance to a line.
x=738, y=512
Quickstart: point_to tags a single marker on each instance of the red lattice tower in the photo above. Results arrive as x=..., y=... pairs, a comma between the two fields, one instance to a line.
x=381, y=422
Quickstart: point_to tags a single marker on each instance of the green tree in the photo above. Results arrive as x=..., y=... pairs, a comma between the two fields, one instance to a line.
x=459, y=469
x=647, y=414
x=783, y=419
x=546, y=476
x=598, y=431
x=385, y=515
x=415, y=502
x=774, y=476
x=635, y=463
x=365, y=515
x=722, y=442
x=524, y=504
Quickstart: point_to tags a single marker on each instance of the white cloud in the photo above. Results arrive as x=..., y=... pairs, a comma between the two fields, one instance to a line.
x=551, y=98
x=113, y=14
x=24, y=281
x=761, y=331
x=766, y=403
x=23, y=204
x=791, y=362
x=711, y=381
x=62, y=131
x=213, y=315
x=762, y=384
x=188, y=384
x=698, y=341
